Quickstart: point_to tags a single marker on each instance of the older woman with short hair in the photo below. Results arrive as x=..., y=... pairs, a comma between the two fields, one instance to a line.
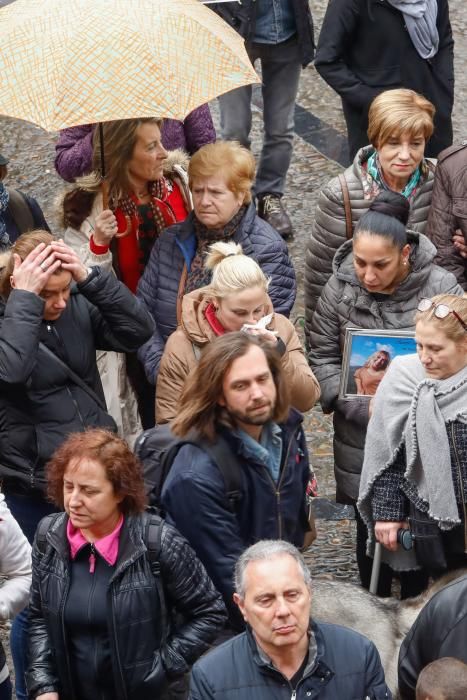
x=400, y=123
x=220, y=175
x=127, y=569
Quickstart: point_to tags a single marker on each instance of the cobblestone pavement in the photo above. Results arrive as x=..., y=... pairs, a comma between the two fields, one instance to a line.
x=31, y=151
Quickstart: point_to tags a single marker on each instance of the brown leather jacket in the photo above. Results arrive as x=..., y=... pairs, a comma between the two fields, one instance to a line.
x=449, y=210
x=194, y=332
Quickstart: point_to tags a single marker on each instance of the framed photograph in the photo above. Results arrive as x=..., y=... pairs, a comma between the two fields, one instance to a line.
x=367, y=356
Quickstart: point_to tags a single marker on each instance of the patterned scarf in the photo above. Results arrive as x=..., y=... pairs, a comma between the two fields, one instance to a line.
x=159, y=191
x=4, y=200
x=198, y=276
x=373, y=169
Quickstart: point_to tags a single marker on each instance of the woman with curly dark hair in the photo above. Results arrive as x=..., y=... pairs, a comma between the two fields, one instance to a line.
x=106, y=578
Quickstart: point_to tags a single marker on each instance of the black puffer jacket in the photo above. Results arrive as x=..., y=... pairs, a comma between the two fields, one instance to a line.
x=440, y=630
x=242, y=17
x=39, y=404
x=141, y=661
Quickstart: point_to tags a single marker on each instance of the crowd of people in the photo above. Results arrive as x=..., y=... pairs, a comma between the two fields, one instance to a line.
x=147, y=356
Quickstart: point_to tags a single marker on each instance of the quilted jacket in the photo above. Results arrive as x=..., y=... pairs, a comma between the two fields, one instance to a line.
x=346, y=303
x=329, y=227
x=173, y=252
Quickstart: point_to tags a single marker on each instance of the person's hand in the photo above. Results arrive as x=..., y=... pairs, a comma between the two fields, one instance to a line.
x=69, y=260
x=459, y=243
x=105, y=228
x=47, y=696
x=32, y=274
x=264, y=333
x=386, y=533
x=370, y=406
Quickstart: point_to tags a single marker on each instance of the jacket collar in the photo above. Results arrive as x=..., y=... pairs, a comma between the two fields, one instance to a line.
x=316, y=665
x=288, y=428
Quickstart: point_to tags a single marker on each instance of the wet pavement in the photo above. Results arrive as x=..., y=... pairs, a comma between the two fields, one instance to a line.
x=319, y=120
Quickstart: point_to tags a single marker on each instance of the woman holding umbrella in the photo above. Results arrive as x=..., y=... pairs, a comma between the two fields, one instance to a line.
x=146, y=192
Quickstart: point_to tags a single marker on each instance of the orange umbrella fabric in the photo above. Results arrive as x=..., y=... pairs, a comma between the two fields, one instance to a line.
x=70, y=62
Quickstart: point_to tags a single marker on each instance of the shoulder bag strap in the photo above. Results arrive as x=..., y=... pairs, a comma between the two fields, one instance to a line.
x=229, y=466
x=42, y=530
x=73, y=376
x=347, y=206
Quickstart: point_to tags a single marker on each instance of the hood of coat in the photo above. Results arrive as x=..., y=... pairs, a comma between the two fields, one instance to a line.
x=193, y=320
x=421, y=257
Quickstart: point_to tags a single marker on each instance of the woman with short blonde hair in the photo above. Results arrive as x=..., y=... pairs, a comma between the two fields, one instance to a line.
x=400, y=124
x=236, y=299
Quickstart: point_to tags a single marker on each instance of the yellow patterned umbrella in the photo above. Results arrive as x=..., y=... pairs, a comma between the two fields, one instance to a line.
x=70, y=62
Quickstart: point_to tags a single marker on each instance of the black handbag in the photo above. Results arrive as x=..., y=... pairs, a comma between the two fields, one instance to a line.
x=427, y=539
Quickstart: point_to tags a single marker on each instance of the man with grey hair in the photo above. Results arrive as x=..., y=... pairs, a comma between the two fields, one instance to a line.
x=283, y=654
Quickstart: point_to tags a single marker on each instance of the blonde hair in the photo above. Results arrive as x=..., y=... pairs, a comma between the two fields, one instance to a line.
x=234, y=161
x=232, y=270
x=120, y=138
x=396, y=112
x=449, y=325
x=23, y=245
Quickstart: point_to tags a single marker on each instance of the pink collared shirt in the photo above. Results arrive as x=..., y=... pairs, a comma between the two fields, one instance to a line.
x=107, y=546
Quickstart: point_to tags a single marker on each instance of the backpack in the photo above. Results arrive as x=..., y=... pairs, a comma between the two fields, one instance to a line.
x=151, y=538
x=157, y=449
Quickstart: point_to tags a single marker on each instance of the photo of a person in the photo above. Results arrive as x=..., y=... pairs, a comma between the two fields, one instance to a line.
x=368, y=377
x=366, y=357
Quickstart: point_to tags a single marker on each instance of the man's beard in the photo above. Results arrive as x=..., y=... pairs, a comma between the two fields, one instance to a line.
x=252, y=417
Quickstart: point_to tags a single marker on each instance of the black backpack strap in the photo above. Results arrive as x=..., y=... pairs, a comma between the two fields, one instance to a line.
x=153, y=542
x=42, y=530
x=229, y=466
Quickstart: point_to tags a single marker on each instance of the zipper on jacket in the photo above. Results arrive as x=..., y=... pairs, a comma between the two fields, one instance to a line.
x=65, y=645
x=461, y=485
x=121, y=684
x=294, y=694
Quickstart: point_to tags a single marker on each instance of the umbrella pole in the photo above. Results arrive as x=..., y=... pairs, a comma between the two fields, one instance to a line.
x=105, y=188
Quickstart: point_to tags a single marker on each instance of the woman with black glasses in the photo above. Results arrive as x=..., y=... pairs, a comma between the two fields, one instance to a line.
x=415, y=466
x=378, y=280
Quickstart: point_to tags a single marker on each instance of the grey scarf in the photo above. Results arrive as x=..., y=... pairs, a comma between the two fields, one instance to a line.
x=420, y=19
x=412, y=410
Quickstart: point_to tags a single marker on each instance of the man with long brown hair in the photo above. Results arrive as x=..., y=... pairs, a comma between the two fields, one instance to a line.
x=237, y=397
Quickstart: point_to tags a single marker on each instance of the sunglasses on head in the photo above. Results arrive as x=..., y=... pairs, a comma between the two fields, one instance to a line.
x=441, y=310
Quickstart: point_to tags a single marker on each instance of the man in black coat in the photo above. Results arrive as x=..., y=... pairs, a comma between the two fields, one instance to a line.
x=368, y=46
x=280, y=35
x=439, y=631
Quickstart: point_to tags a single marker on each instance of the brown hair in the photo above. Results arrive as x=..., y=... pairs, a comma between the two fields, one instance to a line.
x=449, y=325
x=396, y=112
x=23, y=245
x=3, y=172
x=443, y=679
x=122, y=468
x=234, y=161
x=119, y=143
x=199, y=409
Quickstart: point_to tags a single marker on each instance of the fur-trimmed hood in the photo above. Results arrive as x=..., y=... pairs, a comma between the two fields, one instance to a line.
x=175, y=168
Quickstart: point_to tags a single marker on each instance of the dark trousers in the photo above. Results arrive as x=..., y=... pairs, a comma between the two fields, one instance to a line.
x=28, y=511
x=412, y=582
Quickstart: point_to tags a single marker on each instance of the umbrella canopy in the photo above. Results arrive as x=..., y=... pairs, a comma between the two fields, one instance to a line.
x=64, y=63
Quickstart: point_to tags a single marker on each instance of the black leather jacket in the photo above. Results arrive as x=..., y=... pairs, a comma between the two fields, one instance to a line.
x=142, y=661
x=440, y=630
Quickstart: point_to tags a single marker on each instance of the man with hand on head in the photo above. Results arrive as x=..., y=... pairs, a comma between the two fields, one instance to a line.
x=284, y=654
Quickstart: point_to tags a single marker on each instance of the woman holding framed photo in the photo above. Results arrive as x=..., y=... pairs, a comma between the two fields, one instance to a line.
x=378, y=280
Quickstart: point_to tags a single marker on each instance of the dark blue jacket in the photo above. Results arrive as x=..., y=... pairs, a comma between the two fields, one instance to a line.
x=347, y=667
x=195, y=500
x=175, y=249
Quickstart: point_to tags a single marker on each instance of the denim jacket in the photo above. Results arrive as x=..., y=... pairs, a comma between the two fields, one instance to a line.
x=275, y=21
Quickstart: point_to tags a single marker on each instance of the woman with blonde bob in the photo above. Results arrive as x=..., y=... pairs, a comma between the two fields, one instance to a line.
x=146, y=192
x=220, y=176
x=236, y=299
x=400, y=124
x=415, y=465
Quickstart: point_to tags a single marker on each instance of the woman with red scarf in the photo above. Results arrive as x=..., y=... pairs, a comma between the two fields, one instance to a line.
x=146, y=192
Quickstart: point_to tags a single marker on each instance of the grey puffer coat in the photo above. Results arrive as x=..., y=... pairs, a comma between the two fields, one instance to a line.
x=346, y=303
x=329, y=227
